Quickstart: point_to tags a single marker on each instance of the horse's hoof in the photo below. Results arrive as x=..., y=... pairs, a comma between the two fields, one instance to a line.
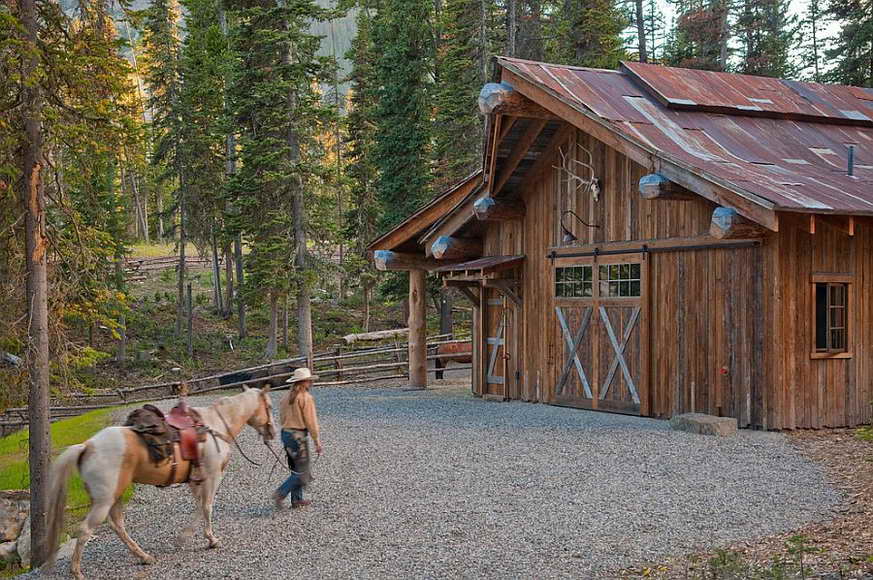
x=148, y=560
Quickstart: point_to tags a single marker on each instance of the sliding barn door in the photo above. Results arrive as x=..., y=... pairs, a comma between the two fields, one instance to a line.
x=599, y=315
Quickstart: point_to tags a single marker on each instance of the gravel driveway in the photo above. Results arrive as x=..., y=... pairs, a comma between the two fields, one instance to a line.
x=438, y=484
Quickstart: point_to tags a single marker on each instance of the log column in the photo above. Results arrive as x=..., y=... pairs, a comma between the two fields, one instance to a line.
x=417, y=329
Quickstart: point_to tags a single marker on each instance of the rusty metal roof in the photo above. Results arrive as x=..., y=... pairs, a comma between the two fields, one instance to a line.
x=784, y=141
x=487, y=264
x=400, y=237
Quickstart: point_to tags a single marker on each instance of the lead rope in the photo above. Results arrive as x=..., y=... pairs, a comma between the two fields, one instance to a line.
x=231, y=435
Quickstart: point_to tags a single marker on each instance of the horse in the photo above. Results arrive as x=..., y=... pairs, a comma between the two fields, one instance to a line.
x=115, y=457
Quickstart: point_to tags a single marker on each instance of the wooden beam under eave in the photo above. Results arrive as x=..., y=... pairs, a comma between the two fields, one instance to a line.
x=450, y=248
x=390, y=261
x=521, y=148
x=656, y=186
x=728, y=224
x=503, y=99
x=490, y=209
x=748, y=204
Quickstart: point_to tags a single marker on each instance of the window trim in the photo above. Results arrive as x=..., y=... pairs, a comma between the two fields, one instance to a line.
x=595, y=278
x=833, y=278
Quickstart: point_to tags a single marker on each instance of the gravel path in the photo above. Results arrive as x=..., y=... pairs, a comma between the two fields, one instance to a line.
x=438, y=484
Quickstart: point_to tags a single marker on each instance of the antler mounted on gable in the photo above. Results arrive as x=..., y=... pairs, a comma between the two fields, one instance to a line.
x=569, y=166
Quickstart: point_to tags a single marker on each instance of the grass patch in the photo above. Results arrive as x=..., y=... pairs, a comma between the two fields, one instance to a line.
x=152, y=250
x=14, y=471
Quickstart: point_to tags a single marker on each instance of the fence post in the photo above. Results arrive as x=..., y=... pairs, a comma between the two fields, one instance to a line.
x=339, y=362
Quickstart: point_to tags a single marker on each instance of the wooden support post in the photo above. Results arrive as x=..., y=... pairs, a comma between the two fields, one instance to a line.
x=417, y=329
x=656, y=186
x=502, y=99
x=449, y=248
x=490, y=209
x=727, y=224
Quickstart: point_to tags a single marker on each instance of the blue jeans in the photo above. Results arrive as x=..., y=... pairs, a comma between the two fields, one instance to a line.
x=297, y=449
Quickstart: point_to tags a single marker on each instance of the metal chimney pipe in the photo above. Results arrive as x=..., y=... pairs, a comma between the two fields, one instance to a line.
x=851, y=160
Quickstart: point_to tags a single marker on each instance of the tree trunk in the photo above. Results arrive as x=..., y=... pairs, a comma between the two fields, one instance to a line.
x=160, y=204
x=33, y=198
x=304, y=311
x=240, y=305
x=724, y=36
x=304, y=324
x=483, y=38
x=367, y=291
x=190, y=314
x=230, y=153
x=641, y=31
x=285, y=325
x=143, y=207
x=228, y=274
x=274, y=327
x=511, y=27
x=217, y=296
x=180, y=285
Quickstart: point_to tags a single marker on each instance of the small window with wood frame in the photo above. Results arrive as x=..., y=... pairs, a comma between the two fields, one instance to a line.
x=574, y=282
x=831, y=306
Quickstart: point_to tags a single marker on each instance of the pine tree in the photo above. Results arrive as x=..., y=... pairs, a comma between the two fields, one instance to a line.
x=402, y=116
x=64, y=120
x=162, y=44
x=457, y=125
x=588, y=33
x=701, y=34
x=361, y=167
x=852, y=50
x=811, y=34
x=767, y=34
x=279, y=114
x=201, y=107
x=655, y=30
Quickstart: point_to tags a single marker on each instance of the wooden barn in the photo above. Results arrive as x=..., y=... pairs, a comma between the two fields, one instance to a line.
x=658, y=241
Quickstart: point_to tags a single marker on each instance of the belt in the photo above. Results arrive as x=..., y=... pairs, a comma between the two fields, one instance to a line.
x=293, y=429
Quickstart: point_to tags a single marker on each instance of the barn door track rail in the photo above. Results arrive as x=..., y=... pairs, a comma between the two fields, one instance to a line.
x=646, y=249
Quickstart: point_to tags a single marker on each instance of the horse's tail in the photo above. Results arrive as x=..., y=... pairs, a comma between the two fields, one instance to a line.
x=62, y=469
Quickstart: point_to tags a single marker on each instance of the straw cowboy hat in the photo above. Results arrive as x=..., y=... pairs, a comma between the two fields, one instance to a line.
x=302, y=374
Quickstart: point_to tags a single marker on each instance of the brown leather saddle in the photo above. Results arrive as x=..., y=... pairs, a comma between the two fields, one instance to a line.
x=190, y=428
x=161, y=432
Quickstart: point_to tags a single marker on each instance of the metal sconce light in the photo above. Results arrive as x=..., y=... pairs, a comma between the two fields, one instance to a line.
x=568, y=237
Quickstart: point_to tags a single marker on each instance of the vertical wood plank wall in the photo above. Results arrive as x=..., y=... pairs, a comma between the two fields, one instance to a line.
x=807, y=392
x=730, y=330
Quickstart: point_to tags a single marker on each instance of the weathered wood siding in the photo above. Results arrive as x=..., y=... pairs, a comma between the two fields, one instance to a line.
x=704, y=333
x=805, y=392
x=728, y=331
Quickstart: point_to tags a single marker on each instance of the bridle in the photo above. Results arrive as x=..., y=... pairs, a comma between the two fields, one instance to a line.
x=267, y=429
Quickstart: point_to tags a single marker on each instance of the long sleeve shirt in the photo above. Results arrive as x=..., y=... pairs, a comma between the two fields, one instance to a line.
x=300, y=414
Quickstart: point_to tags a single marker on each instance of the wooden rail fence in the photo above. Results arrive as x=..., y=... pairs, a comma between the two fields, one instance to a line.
x=340, y=366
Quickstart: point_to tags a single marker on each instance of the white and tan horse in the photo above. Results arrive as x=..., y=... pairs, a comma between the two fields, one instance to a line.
x=116, y=457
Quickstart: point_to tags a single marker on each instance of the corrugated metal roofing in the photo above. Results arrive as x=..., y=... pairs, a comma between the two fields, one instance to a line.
x=784, y=141
x=489, y=263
